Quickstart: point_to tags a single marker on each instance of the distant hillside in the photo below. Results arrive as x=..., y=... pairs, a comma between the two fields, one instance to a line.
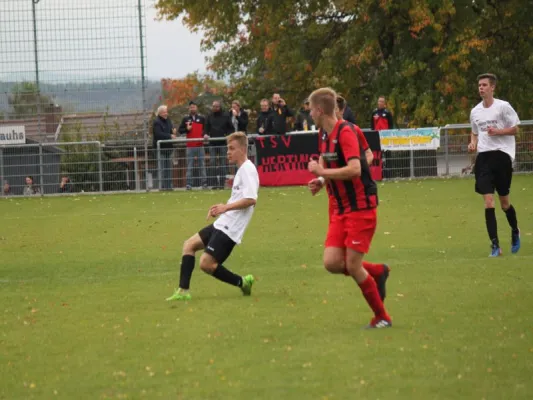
x=116, y=97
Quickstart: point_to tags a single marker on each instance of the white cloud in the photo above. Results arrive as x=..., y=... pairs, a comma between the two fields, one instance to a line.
x=172, y=50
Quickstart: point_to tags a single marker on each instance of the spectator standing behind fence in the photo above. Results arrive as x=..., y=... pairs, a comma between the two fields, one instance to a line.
x=30, y=189
x=218, y=125
x=193, y=125
x=348, y=114
x=264, y=119
x=239, y=117
x=304, y=122
x=64, y=185
x=162, y=129
x=279, y=114
x=7, y=189
x=381, y=117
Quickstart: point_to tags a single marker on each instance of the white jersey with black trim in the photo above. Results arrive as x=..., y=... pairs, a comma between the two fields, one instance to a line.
x=245, y=186
x=499, y=115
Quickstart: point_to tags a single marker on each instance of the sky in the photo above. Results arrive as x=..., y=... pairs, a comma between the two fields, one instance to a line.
x=167, y=42
x=80, y=40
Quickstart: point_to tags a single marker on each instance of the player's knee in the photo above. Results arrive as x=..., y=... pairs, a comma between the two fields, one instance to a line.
x=489, y=202
x=207, y=264
x=190, y=246
x=334, y=266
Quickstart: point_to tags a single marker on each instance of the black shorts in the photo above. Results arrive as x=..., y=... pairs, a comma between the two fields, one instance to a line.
x=216, y=243
x=493, y=170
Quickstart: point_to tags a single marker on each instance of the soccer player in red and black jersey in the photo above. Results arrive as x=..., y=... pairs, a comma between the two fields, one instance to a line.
x=352, y=198
x=378, y=271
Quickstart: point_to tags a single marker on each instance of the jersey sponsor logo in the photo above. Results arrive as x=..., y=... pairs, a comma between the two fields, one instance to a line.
x=210, y=248
x=330, y=156
x=484, y=125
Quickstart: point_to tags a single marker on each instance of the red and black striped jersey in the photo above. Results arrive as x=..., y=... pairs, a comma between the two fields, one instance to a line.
x=337, y=149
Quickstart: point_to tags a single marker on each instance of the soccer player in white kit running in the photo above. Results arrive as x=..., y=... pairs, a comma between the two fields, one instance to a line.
x=219, y=238
x=494, y=126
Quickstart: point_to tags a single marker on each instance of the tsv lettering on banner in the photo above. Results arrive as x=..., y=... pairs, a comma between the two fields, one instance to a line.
x=12, y=135
x=407, y=139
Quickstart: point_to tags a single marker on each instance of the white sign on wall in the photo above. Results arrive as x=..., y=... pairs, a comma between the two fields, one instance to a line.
x=12, y=135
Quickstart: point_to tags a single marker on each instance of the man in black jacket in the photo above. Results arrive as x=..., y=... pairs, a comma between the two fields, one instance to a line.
x=163, y=129
x=264, y=120
x=304, y=122
x=280, y=113
x=218, y=125
x=348, y=115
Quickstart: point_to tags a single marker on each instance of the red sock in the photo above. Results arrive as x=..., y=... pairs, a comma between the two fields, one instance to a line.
x=370, y=291
x=375, y=270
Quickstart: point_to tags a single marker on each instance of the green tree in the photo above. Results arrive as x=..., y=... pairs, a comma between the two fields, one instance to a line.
x=424, y=55
x=26, y=100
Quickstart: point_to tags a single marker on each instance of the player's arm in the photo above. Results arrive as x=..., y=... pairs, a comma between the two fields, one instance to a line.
x=510, y=121
x=316, y=184
x=369, y=156
x=503, y=132
x=350, y=171
x=218, y=209
x=350, y=147
x=240, y=204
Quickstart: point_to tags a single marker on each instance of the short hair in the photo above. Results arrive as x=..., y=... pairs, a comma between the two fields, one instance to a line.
x=382, y=97
x=325, y=98
x=341, y=103
x=237, y=102
x=491, y=77
x=159, y=109
x=264, y=101
x=239, y=137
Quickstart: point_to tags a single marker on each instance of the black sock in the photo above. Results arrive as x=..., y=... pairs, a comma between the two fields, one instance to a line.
x=187, y=266
x=492, y=226
x=225, y=275
x=510, y=213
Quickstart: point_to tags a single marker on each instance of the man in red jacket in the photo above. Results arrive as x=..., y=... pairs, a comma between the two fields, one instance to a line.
x=381, y=117
x=193, y=125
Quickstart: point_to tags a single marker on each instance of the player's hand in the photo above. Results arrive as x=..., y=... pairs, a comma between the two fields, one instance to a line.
x=315, y=168
x=315, y=185
x=493, y=131
x=216, y=210
x=261, y=130
x=471, y=146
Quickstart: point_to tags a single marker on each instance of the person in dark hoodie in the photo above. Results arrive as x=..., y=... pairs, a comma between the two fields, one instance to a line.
x=162, y=129
x=218, y=125
x=264, y=119
x=304, y=122
x=280, y=113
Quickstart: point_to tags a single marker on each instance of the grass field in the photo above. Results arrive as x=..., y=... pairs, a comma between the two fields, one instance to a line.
x=83, y=282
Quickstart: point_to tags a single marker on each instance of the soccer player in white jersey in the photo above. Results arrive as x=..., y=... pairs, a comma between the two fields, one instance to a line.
x=219, y=238
x=494, y=126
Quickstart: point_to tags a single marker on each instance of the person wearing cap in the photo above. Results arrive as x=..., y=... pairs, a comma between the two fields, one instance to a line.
x=304, y=122
x=193, y=126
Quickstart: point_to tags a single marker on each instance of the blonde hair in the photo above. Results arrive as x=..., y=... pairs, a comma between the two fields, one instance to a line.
x=239, y=137
x=326, y=99
x=236, y=102
x=160, y=108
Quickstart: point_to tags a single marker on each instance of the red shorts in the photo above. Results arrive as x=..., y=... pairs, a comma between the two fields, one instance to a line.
x=354, y=230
